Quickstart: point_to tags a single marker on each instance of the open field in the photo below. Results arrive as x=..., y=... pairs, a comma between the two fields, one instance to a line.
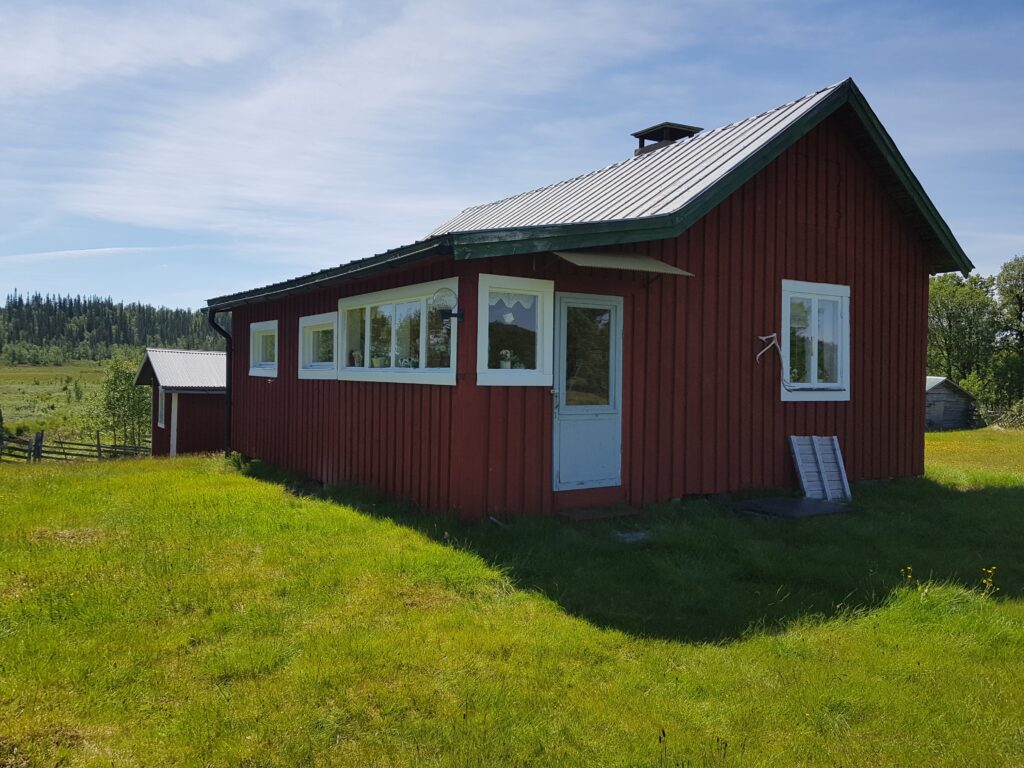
x=995, y=450
x=44, y=397
x=179, y=612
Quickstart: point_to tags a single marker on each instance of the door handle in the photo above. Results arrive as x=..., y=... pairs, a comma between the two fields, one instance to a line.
x=554, y=398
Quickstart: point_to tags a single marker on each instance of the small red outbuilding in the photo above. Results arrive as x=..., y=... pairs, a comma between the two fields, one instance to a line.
x=652, y=329
x=188, y=399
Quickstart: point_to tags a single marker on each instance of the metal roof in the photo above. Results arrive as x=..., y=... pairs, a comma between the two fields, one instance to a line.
x=184, y=369
x=933, y=381
x=654, y=195
x=651, y=184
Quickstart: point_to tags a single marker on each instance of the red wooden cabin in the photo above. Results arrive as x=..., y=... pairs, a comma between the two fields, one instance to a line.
x=189, y=403
x=599, y=340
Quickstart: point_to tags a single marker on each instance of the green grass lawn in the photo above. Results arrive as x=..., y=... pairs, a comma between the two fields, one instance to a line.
x=35, y=397
x=180, y=612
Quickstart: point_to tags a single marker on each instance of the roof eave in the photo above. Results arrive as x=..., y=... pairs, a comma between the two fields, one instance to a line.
x=142, y=367
x=196, y=390
x=352, y=270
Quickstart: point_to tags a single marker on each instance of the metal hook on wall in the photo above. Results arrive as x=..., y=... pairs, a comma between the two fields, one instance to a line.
x=771, y=340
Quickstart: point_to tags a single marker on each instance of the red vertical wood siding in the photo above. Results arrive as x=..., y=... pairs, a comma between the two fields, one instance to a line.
x=161, y=442
x=699, y=414
x=200, y=423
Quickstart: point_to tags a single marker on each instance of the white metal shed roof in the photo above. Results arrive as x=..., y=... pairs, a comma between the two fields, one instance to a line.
x=184, y=369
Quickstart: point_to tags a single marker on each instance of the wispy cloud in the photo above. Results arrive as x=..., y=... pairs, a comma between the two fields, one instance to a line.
x=75, y=254
x=51, y=48
x=345, y=133
x=296, y=134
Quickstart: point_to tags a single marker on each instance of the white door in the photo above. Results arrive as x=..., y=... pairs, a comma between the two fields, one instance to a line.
x=588, y=391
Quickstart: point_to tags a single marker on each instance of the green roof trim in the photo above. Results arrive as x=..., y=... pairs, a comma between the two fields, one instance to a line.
x=906, y=177
x=396, y=257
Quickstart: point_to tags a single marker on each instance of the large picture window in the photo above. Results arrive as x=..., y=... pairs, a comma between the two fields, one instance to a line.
x=317, y=346
x=263, y=348
x=514, y=334
x=815, y=341
x=399, y=335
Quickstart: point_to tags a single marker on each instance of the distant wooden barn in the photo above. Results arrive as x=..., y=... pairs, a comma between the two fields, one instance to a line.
x=189, y=408
x=947, y=406
x=650, y=330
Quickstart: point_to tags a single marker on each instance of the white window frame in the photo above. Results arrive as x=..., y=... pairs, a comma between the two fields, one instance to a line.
x=418, y=291
x=795, y=392
x=257, y=331
x=161, y=408
x=542, y=376
x=307, y=325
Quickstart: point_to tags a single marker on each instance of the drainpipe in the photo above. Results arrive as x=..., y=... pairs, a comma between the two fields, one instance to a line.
x=211, y=317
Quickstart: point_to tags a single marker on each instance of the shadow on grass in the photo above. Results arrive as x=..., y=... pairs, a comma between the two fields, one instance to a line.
x=707, y=573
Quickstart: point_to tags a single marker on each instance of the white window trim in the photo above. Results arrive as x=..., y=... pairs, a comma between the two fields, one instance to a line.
x=174, y=424
x=308, y=324
x=542, y=376
x=255, y=331
x=161, y=408
x=444, y=376
x=817, y=392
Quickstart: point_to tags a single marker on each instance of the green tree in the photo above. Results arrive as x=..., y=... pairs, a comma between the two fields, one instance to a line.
x=962, y=325
x=1006, y=377
x=123, y=409
x=1010, y=289
x=47, y=330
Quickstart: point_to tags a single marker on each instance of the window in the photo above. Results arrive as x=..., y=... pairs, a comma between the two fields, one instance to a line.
x=815, y=341
x=161, y=407
x=317, y=336
x=263, y=348
x=514, y=331
x=399, y=335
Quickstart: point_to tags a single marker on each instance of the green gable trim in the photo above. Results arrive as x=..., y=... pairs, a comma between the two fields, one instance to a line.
x=906, y=177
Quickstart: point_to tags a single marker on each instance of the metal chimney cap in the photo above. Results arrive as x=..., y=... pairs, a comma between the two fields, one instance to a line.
x=666, y=132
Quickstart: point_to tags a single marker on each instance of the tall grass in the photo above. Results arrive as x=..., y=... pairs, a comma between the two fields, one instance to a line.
x=176, y=612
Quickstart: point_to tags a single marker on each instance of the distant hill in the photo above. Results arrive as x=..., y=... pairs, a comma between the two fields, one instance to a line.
x=48, y=330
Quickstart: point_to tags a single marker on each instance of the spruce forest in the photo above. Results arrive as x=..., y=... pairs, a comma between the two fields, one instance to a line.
x=41, y=329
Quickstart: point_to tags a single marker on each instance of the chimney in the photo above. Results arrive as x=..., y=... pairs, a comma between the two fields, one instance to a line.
x=663, y=134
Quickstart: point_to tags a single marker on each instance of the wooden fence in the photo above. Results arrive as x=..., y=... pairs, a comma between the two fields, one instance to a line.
x=36, y=448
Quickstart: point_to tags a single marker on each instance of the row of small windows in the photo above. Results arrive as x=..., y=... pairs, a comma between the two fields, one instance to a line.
x=405, y=335
x=409, y=335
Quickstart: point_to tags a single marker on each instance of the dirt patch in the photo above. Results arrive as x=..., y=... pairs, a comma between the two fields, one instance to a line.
x=17, y=587
x=72, y=536
x=11, y=755
x=15, y=754
x=61, y=736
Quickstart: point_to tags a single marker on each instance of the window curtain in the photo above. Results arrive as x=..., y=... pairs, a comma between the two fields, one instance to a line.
x=525, y=300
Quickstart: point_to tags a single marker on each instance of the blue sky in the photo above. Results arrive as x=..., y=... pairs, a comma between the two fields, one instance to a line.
x=170, y=152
